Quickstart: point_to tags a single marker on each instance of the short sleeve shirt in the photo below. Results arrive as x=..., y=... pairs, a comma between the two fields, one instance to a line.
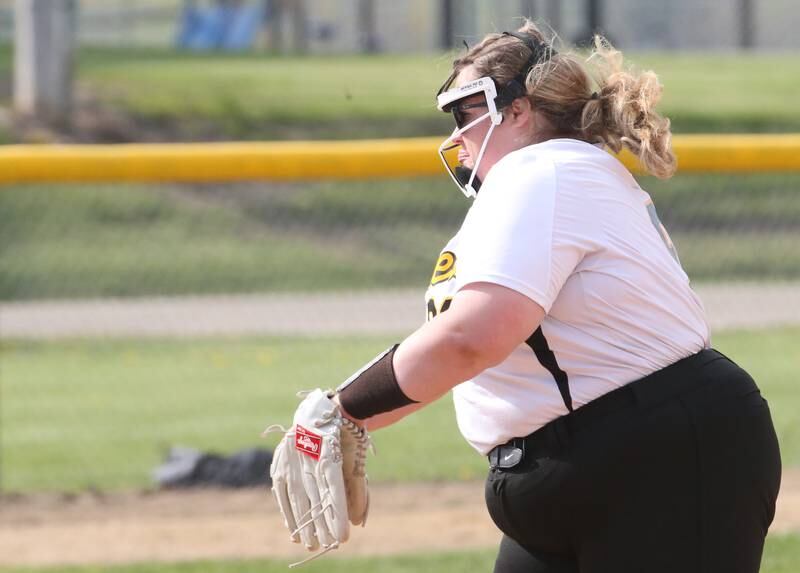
x=564, y=223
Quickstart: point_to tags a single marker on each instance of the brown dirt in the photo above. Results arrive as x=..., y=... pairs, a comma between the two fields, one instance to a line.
x=219, y=524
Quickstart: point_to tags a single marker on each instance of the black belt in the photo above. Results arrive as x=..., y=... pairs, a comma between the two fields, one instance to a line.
x=649, y=390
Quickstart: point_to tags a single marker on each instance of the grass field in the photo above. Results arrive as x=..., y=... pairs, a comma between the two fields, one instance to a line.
x=267, y=97
x=720, y=93
x=781, y=555
x=127, y=240
x=100, y=414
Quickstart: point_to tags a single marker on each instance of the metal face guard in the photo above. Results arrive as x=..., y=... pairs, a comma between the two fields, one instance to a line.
x=445, y=101
x=467, y=189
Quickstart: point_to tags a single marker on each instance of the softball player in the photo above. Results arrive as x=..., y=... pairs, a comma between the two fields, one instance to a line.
x=578, y=354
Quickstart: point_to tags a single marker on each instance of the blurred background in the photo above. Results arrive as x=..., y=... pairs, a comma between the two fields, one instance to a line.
x=136, y=317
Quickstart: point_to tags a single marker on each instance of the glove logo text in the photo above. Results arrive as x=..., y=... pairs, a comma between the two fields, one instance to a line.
x=307, y=442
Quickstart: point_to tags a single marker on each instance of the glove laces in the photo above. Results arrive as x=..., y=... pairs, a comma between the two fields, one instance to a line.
x=309, y=517
x=316, y=555
x=364, y=443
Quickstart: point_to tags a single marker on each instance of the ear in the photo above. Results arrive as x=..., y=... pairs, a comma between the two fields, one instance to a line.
x=520, y=112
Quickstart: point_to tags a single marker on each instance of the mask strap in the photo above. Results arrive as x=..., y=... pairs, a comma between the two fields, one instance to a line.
x=478, y=160
x=447, y=144
x=471, y=124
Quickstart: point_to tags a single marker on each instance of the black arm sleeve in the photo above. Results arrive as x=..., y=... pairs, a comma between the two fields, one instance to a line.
x=373, y=389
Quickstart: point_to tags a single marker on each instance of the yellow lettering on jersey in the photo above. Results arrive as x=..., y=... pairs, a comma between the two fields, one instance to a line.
x=445, y=268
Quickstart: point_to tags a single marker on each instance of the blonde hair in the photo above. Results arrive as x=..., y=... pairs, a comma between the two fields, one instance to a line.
x=593, y=99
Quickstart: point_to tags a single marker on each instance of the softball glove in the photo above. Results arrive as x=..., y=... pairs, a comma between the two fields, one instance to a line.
x=318, y=475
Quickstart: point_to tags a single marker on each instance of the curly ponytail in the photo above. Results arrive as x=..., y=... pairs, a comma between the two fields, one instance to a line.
x=623, y=112
x=594, y=100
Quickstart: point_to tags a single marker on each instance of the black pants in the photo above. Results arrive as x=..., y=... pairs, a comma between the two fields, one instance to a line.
x=677, y=472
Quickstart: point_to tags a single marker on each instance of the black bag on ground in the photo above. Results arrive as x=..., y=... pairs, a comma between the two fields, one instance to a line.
x=187, y=467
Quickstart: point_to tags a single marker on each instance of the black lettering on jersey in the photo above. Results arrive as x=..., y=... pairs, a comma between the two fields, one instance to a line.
x=445, y=268
x=541, y=349
x=433, y=311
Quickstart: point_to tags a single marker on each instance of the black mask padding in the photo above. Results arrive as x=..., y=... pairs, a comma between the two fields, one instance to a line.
x=540, y=52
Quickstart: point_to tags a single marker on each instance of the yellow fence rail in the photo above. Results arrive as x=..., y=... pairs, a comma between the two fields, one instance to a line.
x=366, y=159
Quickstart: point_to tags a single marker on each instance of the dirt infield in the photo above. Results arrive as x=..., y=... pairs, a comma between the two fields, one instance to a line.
x=217, y=524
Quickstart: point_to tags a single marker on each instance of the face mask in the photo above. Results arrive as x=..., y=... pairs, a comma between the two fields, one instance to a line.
x=469, y=186
x=464, y=176
x=448, y=101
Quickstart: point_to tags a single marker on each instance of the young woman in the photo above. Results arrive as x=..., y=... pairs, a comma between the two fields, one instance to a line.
x=578, y=354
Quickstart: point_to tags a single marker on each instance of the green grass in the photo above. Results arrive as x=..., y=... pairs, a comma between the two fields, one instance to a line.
x=732, y=227
x=65, y=241
x=101, y=413
x=438, y=563
x=703, y=92
x=727, y=92
x=70, y=241
x=269, y=96
x=357, y=94
x=272, y=97
x=781, y=555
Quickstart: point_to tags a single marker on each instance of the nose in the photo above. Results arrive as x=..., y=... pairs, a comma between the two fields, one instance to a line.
x=458, y=139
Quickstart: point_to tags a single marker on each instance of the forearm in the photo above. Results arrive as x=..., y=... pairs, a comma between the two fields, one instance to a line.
x=437, y=357
x=389, y=418
x=426, y=365
x=480, y=329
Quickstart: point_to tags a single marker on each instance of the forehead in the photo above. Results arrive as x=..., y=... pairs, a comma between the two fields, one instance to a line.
x=465, y=76
x=463, y=87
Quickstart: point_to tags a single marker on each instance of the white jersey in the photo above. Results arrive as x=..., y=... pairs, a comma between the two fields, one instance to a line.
x=564, y=223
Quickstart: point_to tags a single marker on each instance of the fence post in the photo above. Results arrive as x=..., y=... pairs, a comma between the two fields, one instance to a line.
x=367, y=24
x=44, y=38
x=300, y=26
x=553, y=14
x=527, y=8
x=446, y=31
x=747, y=24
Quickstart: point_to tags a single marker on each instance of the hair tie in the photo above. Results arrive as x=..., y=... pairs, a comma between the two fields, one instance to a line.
x=595, y=95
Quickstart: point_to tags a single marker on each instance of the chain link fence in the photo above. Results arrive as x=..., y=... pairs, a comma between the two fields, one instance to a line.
x=110, y=274
x=136, y=317
x=123, y=240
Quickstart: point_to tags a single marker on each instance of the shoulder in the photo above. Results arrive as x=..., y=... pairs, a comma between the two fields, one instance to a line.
x=521, y=172
x=522, y=162
x=532, y=164
x=522, y=186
